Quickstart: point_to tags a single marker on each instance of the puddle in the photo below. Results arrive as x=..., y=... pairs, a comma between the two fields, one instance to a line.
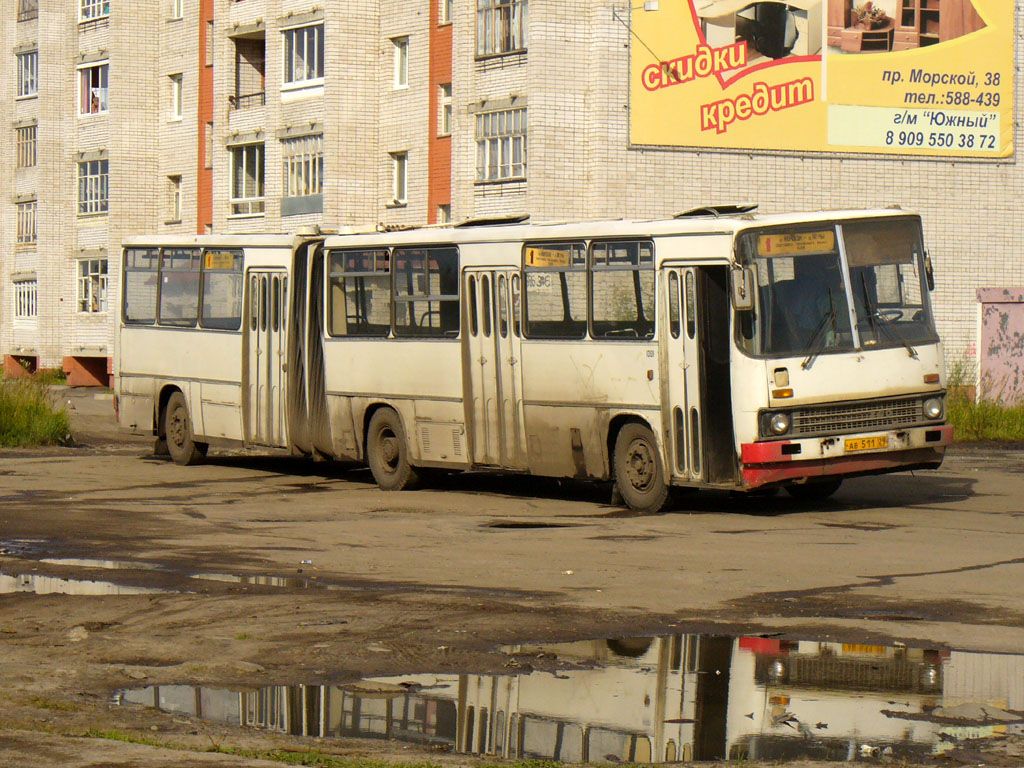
x=107, y=565
x=20, y=547
x=524, y=525
x=51, y=585
x=652, y=700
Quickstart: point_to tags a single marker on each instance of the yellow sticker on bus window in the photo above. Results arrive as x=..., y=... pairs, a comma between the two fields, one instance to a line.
x=797, y=243
x=220, y=260
x=546, y=257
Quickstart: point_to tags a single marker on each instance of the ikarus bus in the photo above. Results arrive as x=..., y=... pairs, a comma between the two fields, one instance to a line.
x=711, y=350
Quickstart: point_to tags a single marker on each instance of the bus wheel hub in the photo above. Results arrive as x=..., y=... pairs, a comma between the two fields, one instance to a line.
x=640, y=467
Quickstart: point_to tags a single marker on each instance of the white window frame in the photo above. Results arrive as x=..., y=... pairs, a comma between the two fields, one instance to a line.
x=444, y=213
x=93, y=187
x=26, y=223
x=400, y=65
x=247, y=202
x=93, y=282
x=85, y=98
x=28, y=74
x=25, y=297
x=501, y=141
x=177, y=9
x=177, y=81
x=444, y=119
x=500, y=27
x=444, y=12
x=26, y=147
x=399, y=178
x=90, y=10
x=290, y=78
x=174, y=197
x=302, y=160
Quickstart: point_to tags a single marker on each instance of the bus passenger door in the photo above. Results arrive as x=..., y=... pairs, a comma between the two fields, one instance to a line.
x=494, y=399
x=681, y=352
x=266, y=348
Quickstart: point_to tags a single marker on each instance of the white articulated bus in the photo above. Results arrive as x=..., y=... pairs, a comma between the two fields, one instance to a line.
x=725, y=351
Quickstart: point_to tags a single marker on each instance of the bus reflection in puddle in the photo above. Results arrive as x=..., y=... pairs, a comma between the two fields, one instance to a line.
x=649, y=700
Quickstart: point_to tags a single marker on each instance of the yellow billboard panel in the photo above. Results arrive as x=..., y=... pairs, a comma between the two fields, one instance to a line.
x=907, y=77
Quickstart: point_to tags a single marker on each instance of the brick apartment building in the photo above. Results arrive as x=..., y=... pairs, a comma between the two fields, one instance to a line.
x=126, y=117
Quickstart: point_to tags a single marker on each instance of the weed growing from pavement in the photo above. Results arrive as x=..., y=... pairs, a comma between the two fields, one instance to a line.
x=982, y=420
x=29, y=416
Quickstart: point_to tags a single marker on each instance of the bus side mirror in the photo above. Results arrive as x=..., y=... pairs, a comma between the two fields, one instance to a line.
x=929, y=275
x=741, y=284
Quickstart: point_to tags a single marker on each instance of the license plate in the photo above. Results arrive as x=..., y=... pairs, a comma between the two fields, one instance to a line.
x=866, y=443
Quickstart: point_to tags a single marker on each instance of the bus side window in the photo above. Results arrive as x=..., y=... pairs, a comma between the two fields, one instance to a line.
x=263, y=303
x=555, y=290
x=622, y=290
x=426, y=292
x=275, y=304
x=360, y=293
x=179, y=287
x=254, y=294
x=674, y=323
x=485, y=295
x=141, y=278
x=222, y=290
x=471, y=301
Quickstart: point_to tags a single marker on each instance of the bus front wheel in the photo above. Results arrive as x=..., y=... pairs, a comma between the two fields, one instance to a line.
x=638, y=472
x=183, y=448
x=387, y=453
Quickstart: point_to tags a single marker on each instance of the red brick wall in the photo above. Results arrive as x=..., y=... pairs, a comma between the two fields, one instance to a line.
x=439, y=149
x=204, y=175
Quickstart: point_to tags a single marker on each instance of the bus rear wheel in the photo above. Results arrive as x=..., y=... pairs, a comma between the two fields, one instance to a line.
x=387, y=453
x=181, y=446
x=638, y=472
x=814, y=491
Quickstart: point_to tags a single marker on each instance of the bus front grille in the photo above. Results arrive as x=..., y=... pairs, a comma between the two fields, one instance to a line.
x=858, y=417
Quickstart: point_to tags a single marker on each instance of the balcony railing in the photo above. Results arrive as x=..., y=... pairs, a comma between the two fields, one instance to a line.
x=28, y=10
x=247, y=100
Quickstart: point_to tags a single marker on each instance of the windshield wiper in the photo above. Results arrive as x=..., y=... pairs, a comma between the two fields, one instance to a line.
x=817, y=342
x=879, y=323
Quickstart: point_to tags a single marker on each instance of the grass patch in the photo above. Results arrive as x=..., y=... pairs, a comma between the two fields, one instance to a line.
x=29, y=416
x=53, y=705
x=982, y=420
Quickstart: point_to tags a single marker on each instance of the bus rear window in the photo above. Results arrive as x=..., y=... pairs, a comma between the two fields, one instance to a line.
x=140, y=285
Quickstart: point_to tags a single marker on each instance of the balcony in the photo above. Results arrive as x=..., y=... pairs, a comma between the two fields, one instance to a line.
x=28, y=10
x=247, y=100
x=250, y=79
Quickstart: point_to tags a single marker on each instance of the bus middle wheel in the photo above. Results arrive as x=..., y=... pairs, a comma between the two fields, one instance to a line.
x=181, y=446
x=638, y=472
x=387, y=453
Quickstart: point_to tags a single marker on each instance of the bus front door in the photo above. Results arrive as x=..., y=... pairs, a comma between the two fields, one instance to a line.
x=699, y=389
x=266, y=347
x=493, y=354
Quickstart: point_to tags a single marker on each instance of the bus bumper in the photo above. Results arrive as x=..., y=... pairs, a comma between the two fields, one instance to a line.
x=788, y=461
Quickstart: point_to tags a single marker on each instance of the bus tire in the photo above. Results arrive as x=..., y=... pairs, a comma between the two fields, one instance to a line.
x=181, y=446
x=814, y=491
x=387, y=453
x=638, y=471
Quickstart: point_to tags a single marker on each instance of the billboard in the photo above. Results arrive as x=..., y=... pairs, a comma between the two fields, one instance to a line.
x=906, y=77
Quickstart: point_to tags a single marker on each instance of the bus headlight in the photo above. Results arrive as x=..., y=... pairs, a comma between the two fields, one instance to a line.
x=779, y=423
x=933, y=408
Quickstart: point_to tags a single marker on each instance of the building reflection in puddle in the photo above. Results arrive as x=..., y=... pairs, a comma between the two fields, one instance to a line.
x=40, y=584
x=649, y=700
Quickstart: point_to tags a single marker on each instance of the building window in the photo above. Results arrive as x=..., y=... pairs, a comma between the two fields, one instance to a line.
x=93, y=89
x=445, y=11
x=28, y=10
x=247, y=180
x=26, y=302
x=93, y=187
x=26, y=141
x=500, y=26
x=303, y=54
x=174, y=198
x=28, y=74
x=26, y=222
x=93, y=9
x=501, y=145
x=401, y=61
x=176, y=96
x=209, y=44
x=303, y=159
x=399, y=177
x=92, y=285
x=444, y=122
x=444, y=214
x=177, y=9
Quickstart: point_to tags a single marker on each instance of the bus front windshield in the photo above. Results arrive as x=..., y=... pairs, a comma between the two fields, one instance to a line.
x=808, y=277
